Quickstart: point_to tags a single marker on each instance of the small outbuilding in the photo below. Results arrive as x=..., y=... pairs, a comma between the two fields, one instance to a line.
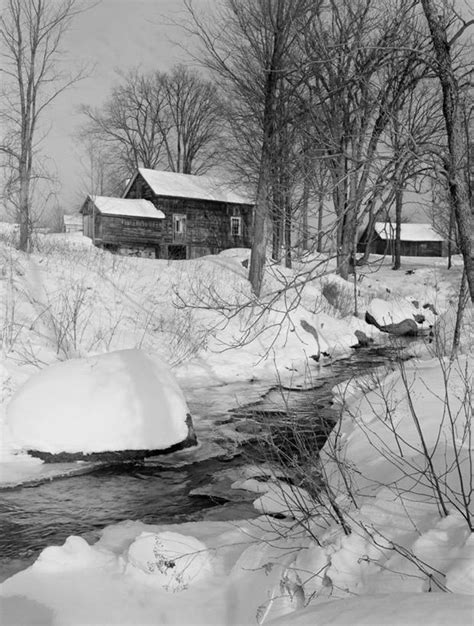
x=123, y=225
x=415, y=240
x=170, y=215
x=72, y=223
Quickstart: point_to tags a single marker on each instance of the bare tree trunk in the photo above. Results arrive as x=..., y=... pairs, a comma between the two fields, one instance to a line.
x=354, y=268
x=24, y=208
x=262, y=204
x=459, y=315
x=319, y=245
x=304, y=213
x=370, y=233
x=398, y=195
x=277, y=215
x=454, y=130
x=398, y=225
x=259, y=243
x=346, y=254
x=288, y=228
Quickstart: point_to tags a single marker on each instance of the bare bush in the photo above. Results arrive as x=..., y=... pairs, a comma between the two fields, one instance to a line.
x=414, y=461
x=339, y=296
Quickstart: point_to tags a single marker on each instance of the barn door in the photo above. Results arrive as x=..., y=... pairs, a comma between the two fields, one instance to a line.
x=179, y=227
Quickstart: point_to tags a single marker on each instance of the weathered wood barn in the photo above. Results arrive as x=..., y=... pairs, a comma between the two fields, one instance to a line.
x=415, y=240
x=170, y=216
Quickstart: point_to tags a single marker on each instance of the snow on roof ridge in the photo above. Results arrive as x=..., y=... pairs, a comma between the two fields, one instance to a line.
x=177, y=184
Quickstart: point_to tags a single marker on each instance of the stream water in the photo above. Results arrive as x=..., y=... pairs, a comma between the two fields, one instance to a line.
x=32, y=518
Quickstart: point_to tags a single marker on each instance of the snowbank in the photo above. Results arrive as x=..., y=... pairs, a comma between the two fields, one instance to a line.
x=443, y=331
x=195, y=573
x=381, y=610
x=261, y=569
x=125, y=400
x=388, y=432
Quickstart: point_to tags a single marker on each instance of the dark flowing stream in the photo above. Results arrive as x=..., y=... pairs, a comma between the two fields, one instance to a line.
x=34, y=517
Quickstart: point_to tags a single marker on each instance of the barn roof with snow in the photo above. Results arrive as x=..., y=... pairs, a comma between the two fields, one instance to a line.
x=408, y=232
x=415, y=240
x=176, y=185
x=126, y=207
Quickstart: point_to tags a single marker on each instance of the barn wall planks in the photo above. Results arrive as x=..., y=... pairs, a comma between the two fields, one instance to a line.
x=208, y=227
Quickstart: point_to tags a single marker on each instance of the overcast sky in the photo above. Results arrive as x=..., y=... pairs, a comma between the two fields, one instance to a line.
x=113, y=34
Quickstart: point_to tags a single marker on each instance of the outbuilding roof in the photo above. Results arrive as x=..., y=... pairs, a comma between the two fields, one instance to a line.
x=172, y=184
x=408, y=232
x=73, y=220
x=126, y=207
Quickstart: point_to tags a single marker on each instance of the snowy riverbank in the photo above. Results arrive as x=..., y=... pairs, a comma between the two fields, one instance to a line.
x=394, y=541
x=71, y=300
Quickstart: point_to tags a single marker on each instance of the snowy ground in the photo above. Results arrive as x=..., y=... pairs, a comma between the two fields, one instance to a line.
x=364, y=555
x=71, y=300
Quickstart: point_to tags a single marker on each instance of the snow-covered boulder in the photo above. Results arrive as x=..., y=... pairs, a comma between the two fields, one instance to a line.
x=168, y=559
x=127, y=401
x=398, y=316
x=362, y=340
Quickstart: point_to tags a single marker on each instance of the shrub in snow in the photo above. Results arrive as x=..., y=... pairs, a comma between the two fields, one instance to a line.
x=388, y=501
x=339, y=293
x=120, y=401
x=170, y=560
x=416, y=422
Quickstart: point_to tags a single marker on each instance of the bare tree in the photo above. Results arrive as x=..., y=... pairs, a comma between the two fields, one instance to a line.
x=362, y=62
x=31, y=32
x=99, y=174
x=133, y=123
x=195, y=115
x=414, y=140
x=248, y=48
x=439, y=23
x=157, y=120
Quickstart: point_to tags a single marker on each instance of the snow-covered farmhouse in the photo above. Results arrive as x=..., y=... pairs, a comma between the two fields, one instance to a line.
x=169, y=216
x=415, y=240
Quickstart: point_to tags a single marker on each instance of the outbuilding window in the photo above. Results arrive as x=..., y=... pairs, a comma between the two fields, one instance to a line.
x=236, y=226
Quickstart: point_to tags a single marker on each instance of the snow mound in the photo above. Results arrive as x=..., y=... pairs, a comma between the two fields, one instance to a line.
x=125, y=400
x=75, y=554
x=278, y=497
x=385, y=432
x=443, y=331
x=168, y=559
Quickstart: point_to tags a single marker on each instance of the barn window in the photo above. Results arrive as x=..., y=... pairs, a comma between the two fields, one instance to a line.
x=179, y=224
x=236, y=226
